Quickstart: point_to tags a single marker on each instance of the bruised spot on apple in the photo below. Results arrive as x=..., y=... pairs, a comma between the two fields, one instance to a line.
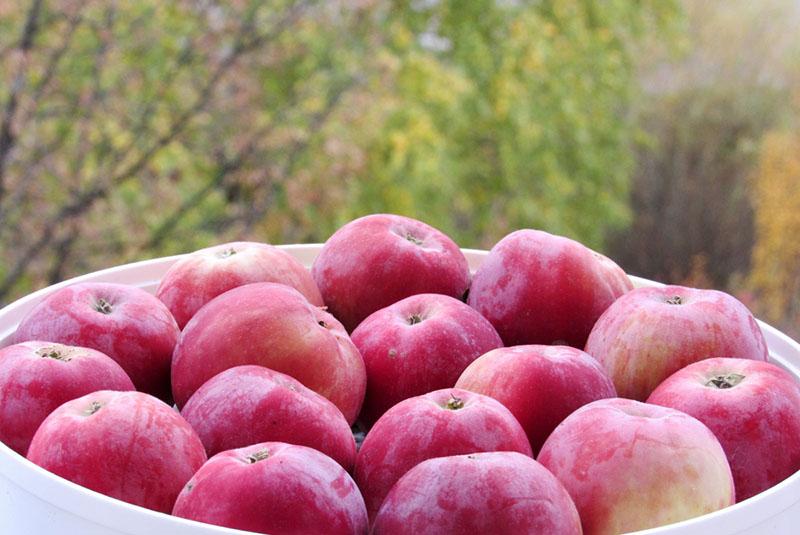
x=753, y=408
x=650, y=333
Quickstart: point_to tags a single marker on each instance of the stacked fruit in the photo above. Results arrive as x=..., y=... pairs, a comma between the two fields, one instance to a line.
x=642, y=407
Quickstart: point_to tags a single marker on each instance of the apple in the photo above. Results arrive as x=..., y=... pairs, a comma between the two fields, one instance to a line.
x=650, y=333
x=195, y=279
x=274, y=488
x=440, y=423
x=379, y=259
x=631, y=466
x=540, y=385
x=126, y=323
x=419, y=344
x=246, y=405
x=274, y=326
x=538, y=288
x=36, y=377
x=753, y=408
x=127, y=445
x=492, y=492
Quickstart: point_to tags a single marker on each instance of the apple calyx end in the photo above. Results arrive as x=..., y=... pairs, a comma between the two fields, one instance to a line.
x=414, y=319
x=93, y=407
x=260, y=455
x=226, y=253
x=103, y=306
x=54, y=353
x=674, y=300
x=726, y=381
x=413, y=239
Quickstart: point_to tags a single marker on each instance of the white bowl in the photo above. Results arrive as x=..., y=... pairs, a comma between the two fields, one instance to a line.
x=34, y=501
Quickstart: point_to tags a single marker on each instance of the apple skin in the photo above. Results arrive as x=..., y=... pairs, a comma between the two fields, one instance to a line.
x=37, y=377
x=757, y=419
x=438, y=424
x=127, y=445
x=125, y=322
x=538, y=288
x=247, y=405
x=650, y=333
x=376, y=260
x=494, y=492
x=274, y=488
x=419, y=344
x=274, y=326
x=630, y=466
x=540, y=385
x=196, y=278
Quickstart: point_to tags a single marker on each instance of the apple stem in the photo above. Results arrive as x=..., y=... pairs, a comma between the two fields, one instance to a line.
x=260, y=455
x=454, y=403
x=725, y=381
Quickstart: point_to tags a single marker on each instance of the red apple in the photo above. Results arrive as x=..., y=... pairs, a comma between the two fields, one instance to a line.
x=127, y=445
x=419, y=344
x=270, y=325
x=37, y=377
x=124, y=322
x=274, y=488
x=537, y=288
x=246, y=405
x=752, y=407
x=650, y=333
x=495, y=492
x=540, y=385
x=630, y=466
x=379, y=259
x=195, y=279
x=441, y=423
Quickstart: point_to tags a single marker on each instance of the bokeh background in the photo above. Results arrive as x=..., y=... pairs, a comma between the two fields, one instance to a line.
x=664, y=133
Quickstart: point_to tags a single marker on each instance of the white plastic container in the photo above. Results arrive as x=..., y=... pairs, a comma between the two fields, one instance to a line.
x=36, y=502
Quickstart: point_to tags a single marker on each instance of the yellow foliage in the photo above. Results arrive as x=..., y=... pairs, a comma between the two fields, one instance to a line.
x=775, y=273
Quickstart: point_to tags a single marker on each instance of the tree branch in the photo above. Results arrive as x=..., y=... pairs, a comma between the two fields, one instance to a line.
x=7, y=136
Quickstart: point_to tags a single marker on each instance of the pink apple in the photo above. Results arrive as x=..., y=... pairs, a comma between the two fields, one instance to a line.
x=197, y=278
x=540, y=385
x=274, y=326
x=246, y=405
x=441, y=423
x=37, y=377
x=495, y=492
x=650, y=333
x=419, y=344
x=127, y=445
x=752, y=407
x=124, y=322
x=537, y=288
x=630, y=466
x=274, y=488
x=376, y=260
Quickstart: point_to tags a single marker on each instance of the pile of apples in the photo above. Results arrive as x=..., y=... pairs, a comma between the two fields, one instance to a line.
x=543, y=394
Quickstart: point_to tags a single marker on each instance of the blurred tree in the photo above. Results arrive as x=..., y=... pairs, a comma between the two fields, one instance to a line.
x=139, y=129
x=775, y=275
x=702, y=117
